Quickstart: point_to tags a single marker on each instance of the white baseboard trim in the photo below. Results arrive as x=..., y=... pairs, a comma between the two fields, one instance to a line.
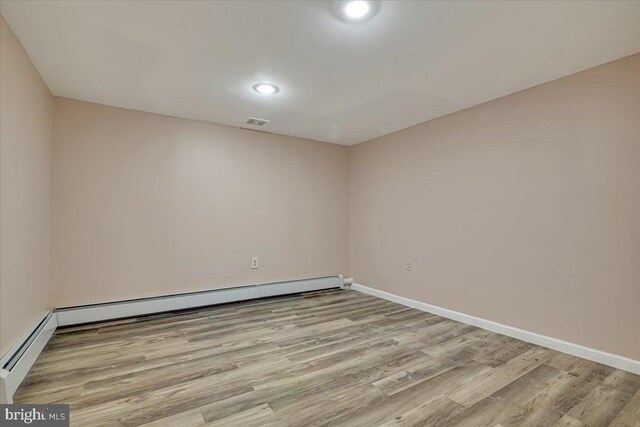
x=138, y=307
x=619, y=362
x=15, y=365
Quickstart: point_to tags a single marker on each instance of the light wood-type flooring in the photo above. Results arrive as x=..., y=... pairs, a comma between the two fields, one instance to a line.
x=338, y=358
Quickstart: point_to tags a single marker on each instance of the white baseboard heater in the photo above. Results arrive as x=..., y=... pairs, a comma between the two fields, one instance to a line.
x=19, y=359
x=138, y=307
x=17, y=362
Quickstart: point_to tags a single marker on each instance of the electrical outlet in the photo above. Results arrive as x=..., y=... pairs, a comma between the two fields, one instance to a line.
x=255, y=262
x=409, y=265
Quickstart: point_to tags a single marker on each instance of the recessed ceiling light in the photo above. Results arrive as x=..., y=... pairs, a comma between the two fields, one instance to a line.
x=358, y=10
x=266, y=88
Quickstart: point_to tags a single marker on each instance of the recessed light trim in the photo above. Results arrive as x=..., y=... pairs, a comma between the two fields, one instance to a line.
x=266, y=88
x=357, y=10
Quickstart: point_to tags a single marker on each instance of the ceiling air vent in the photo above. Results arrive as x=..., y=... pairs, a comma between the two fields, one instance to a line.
x=256, y=122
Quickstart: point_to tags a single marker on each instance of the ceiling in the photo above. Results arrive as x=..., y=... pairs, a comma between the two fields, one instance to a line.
x=339, y=82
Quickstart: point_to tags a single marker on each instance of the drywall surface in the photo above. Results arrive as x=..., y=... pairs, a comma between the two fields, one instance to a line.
x=145, y=204
x=26, y=107
x=524, y=210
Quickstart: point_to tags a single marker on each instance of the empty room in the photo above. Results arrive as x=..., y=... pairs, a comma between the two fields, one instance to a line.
x=319, y=213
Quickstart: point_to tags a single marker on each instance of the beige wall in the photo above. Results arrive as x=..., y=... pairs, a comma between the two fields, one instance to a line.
x=25, y=186
x=524, y=210
x=145, y=205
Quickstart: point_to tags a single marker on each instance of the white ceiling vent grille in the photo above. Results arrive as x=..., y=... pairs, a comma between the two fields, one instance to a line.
x=257, y=122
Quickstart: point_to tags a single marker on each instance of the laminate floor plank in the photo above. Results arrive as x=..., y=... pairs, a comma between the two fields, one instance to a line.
x=436, y=412
x=607, y=399
x=492, y=380
x=550, y=404
x=385, y=408
x=261, y=415
x=335, y=358
x=567, y=421
x=505, y=406
x=630, y=415
x=192, y=418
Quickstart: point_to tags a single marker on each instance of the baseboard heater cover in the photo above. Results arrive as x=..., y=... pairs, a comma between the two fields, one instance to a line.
x=15, y=365
x=613, y=360
x=131, y=308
